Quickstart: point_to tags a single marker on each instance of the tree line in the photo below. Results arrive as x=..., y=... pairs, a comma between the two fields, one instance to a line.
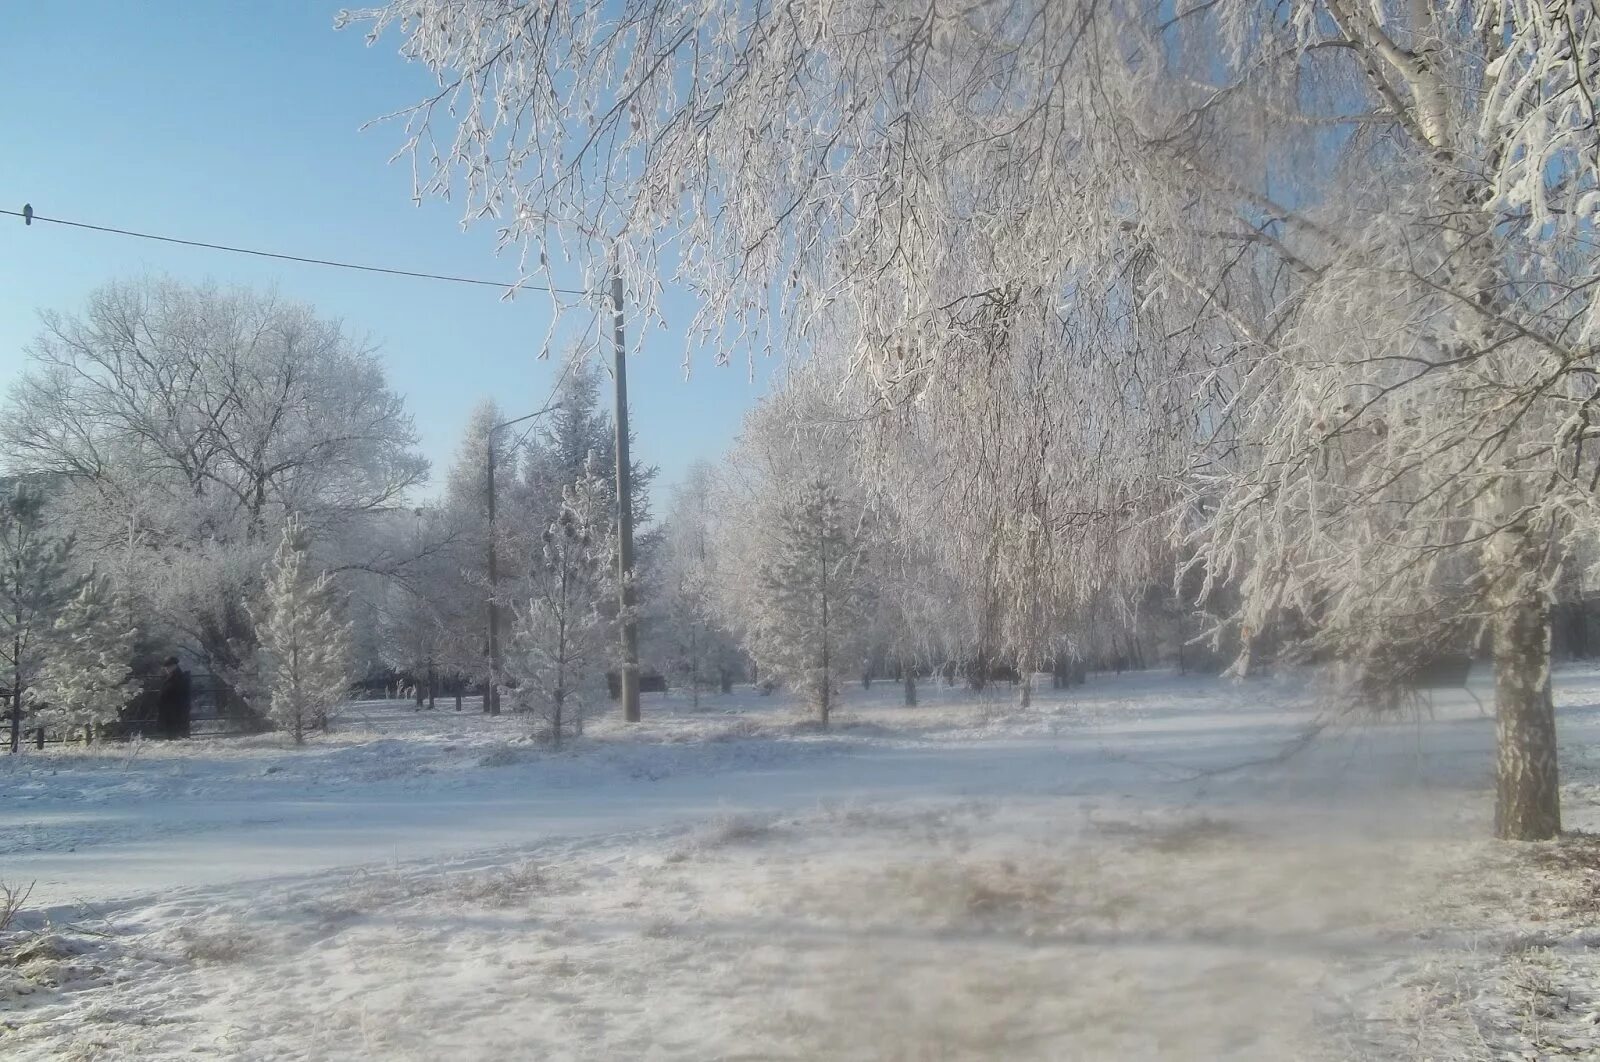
x=1291, y=307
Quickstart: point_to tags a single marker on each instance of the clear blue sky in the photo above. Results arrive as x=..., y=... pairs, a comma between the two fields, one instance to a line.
x=240, y=124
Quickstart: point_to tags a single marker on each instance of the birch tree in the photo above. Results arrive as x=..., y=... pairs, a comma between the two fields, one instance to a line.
x=1321, y=275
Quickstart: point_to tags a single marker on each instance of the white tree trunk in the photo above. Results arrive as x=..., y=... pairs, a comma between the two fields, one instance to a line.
x=1527, y=790
x=1527, y=794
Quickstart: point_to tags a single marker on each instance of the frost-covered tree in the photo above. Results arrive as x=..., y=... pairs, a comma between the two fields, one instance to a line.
x=811, y=624
x=690, y=635
x=422, y=606
x=182, y=424
x=304, y=669
x=1314, y=285
x=563, y=636
x=466, y=511
x=86, y=679
x=36, y=585
x=578, y=431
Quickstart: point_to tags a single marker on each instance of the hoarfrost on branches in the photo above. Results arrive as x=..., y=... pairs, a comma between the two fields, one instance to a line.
x=1312, y=290
x=86, y=679
x=563, y=636
x=304, y=659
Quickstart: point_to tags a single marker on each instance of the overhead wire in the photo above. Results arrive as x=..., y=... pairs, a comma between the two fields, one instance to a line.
x=30, y=217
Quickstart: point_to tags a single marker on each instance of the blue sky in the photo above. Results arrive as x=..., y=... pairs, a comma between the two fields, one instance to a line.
x=240, y=124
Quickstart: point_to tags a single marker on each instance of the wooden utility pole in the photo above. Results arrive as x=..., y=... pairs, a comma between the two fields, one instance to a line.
x=491, y=696
x=630, y=632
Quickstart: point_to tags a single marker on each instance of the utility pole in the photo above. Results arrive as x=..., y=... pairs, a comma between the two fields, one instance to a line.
x=491, y=699
x=630, y=632
x=491, y=696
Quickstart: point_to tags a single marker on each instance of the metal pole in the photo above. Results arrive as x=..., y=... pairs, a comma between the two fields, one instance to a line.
x=491, y=697
x=630, y=633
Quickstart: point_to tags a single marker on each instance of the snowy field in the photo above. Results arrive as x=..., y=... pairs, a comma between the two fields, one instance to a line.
x=1122, y=871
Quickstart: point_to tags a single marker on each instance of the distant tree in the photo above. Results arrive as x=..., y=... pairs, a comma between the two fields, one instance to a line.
x=420, y=606
x=184, y=423
x=304, y=664
x=464, y=608
x=563, y=635
x=36, y=584
x=689, y=635
x=812, y=606
x=86, y=679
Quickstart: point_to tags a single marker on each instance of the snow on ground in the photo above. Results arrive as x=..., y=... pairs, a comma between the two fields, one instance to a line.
x=1123, y=871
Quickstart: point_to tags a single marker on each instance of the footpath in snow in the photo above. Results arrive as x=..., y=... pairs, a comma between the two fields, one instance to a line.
x=1122, y=871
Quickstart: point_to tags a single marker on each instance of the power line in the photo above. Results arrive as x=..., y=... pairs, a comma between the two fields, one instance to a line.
x=30, y=217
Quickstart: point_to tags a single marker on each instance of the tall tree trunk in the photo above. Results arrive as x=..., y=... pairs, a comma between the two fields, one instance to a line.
x=908, y=675
x=16, y=695
x=1527, y=792
x=827, y=673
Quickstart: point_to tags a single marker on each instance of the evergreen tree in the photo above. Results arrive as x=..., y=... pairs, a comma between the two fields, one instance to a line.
x=686, y=632
x=86, y=679
x=564, y=633
x=305, y=643
x=812, y=609
x=579, y=429
x=35, y=585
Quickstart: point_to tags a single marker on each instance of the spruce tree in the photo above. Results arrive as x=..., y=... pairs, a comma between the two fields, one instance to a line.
x=564, y=629
x=305, y=667
x=35, y=585
x=86, y=679
x=812, y=602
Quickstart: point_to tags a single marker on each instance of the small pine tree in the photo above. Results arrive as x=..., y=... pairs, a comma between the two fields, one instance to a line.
x=305, y=667
x=812, y=615
x=563, y=635
x=35, y=585
x=86, y=679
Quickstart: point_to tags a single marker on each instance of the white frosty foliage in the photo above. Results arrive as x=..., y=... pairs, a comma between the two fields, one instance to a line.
x=810, y=623
x=35, y=585
x=304, y=664
x=563, y=635
x=1309, y=292
x=86, y=678
x=178, y=426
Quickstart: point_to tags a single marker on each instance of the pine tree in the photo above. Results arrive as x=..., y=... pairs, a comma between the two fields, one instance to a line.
x=564, y=633
x=579, y=435
x=35, y=585
x=86, y=678
x=813, y=616
x=305, y=643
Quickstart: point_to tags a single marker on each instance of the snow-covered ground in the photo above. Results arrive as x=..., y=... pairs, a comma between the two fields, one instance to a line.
x=1123, y=871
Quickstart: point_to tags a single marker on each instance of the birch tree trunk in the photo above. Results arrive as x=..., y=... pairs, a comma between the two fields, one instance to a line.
x=1527, y=784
